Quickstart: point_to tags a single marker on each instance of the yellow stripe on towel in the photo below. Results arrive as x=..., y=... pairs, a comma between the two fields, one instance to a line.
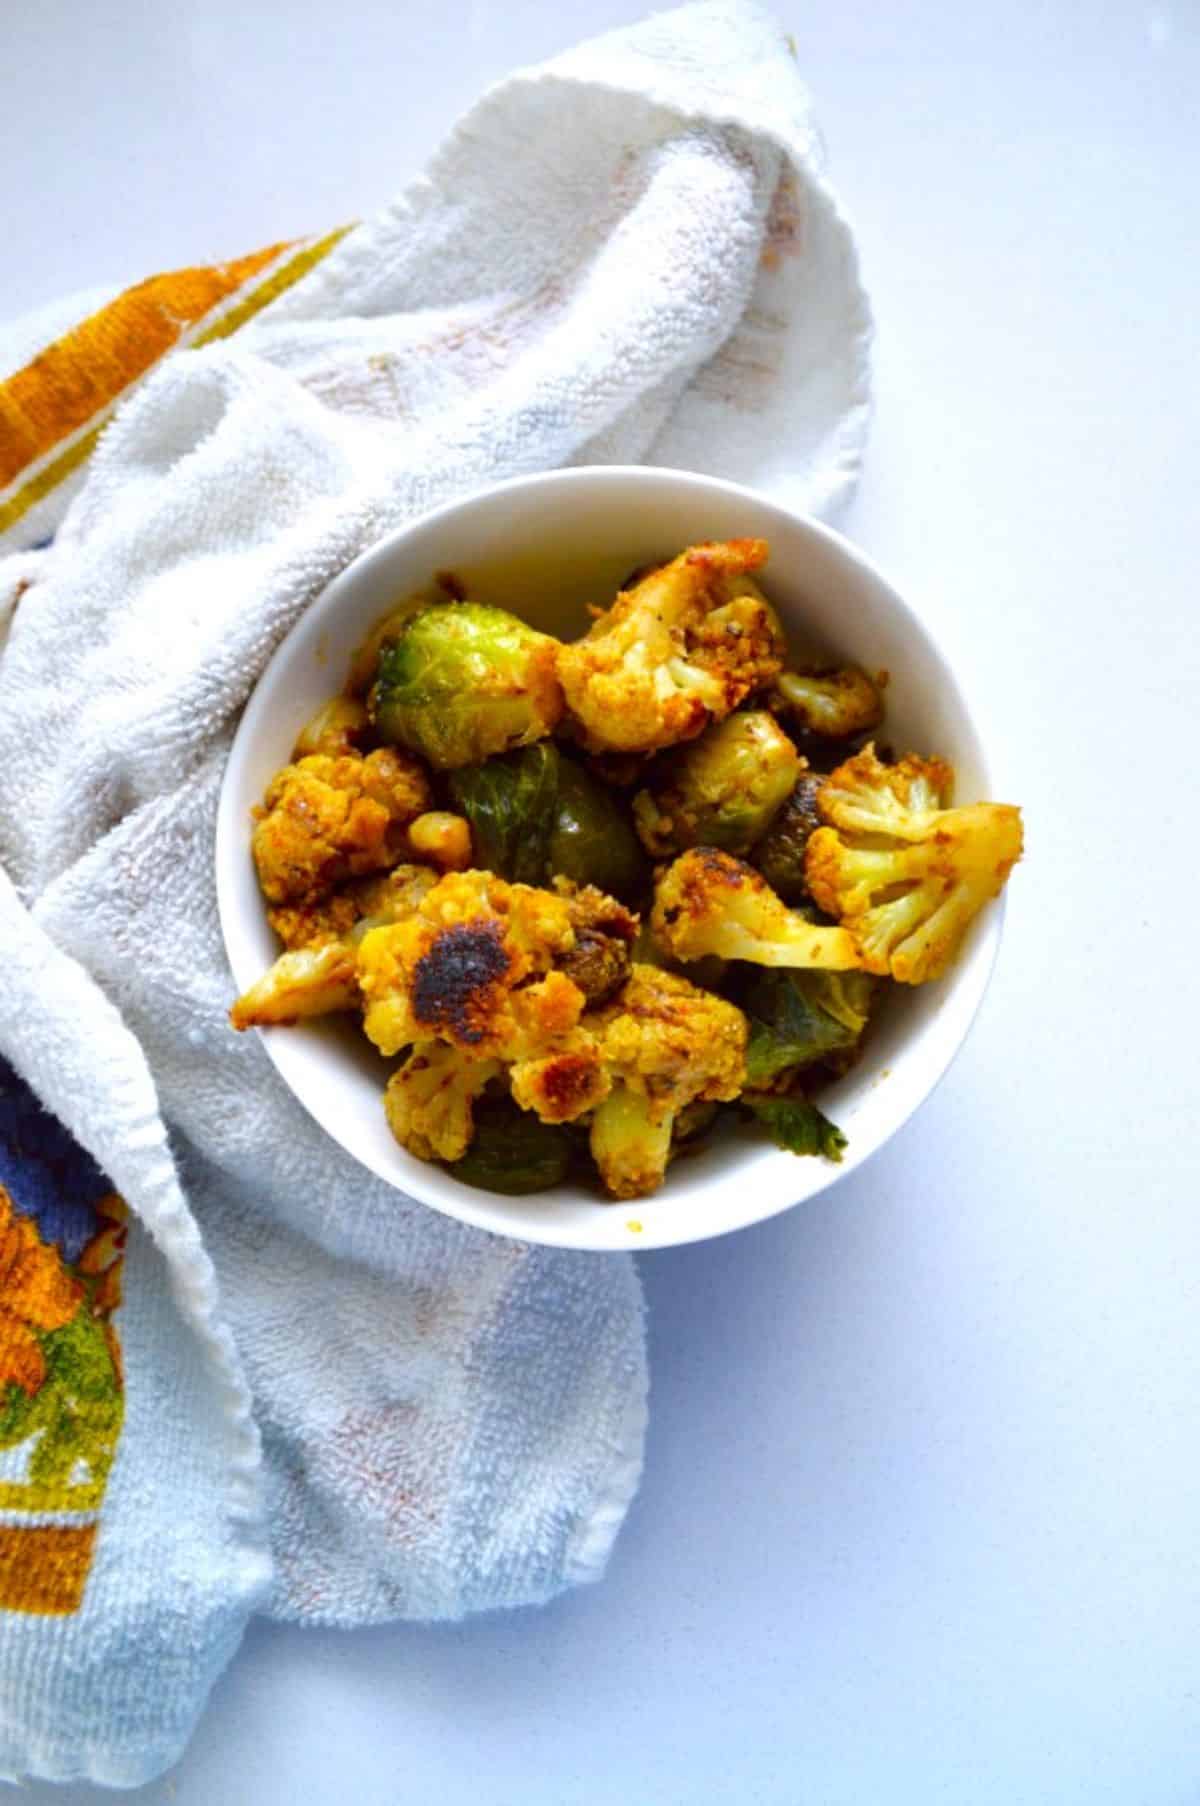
x=53, y=410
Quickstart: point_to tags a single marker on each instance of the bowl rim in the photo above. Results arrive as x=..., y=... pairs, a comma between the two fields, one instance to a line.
x=477, y=1208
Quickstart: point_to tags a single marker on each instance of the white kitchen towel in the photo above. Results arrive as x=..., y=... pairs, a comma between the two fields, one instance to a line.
x=627, y=254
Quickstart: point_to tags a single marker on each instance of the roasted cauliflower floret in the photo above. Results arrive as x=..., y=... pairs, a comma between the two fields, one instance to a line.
x=563, y=1085
x=327, y=818
x=866, y=796
x=833, y=701
x=681, y=648
x=317, y=975
x=384, y=898
x=904, y=873
x=309, y=981
x=474, y=965
x=665, y=1044
x=710, y=903
x=430, y=1100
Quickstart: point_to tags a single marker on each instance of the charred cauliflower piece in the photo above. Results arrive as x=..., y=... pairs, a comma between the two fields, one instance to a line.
x=563, y=1085
x=474, y=966
x=681, y=648
x=331, y=817
x=665, y=1044
x=430, y=1100
x=906, y=874
x=710, y=903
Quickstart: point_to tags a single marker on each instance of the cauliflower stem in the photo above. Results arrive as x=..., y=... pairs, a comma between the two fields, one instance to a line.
x=631, y=1149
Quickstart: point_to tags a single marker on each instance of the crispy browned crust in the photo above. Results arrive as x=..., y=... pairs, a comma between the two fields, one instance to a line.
x=457, y=985
x=473, y=964
x=693, y=890
x=562, y=1086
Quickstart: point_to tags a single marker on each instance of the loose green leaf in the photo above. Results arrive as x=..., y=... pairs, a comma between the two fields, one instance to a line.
x=800, y=1016
x=796, y=1124
x=513, y=1152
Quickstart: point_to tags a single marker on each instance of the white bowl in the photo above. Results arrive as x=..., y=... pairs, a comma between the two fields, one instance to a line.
x=545, y=546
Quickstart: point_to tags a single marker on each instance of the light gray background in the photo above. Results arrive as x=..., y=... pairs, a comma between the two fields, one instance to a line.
x=920, y=1514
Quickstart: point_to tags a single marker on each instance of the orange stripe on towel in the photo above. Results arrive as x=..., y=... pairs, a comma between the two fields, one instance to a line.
x=53, y=411
x=43, y=1568
x=83, y=372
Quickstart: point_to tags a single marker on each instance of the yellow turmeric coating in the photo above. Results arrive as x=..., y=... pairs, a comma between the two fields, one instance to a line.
x=331, y=817
x=681, y=648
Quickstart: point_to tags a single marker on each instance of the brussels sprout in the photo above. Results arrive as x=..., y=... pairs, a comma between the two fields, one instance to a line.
x=800, y=1016
x=462, y=681
x=537, y=815
x=592, y=841
x=605, y=931
x=514, y=1152
x=598, y=963
x=779, y=855
x=510, y=802
x=364, y=662
x=721, y=790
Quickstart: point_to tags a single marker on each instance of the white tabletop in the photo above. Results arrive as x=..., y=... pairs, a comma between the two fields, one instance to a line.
x=922, y=1494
